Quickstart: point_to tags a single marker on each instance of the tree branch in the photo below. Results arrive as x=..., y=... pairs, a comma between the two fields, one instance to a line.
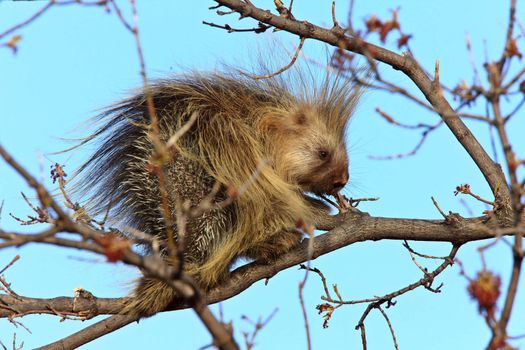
x=346, y=230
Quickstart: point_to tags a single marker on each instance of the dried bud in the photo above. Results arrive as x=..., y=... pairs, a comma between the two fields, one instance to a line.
x=463, y=92
x=57, y=172
x=512, y=50
x=403, y=40
x=12, y=43
x=465, y=189
x=328, y=309
x=373, y=24
x=389, y=26
x=485, y=289
x=231, y=191
x=114, y=246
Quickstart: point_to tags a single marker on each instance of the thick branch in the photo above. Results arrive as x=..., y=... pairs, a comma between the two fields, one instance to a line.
x=60, y=306
x=109, y=325
x=355, y=228
x=344, y=231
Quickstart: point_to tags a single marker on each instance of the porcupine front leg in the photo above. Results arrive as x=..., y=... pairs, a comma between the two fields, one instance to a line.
x=275, y=246
x=284, y=241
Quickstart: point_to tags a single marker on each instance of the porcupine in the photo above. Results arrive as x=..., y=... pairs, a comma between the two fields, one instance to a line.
x=297, y=127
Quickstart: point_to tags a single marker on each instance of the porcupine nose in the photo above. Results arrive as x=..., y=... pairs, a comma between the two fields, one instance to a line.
x=340, y=182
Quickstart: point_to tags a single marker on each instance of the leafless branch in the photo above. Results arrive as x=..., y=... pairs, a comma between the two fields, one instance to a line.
x=438, y=208
x=294, y=58
x=10, y=263
x=261, y=28
x=389, y=326
x=257, y=327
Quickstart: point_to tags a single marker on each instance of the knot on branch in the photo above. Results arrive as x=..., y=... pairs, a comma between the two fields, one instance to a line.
x=85, y=304
x=453, y=219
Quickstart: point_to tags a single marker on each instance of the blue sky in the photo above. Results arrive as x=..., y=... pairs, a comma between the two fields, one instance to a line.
x=74, y=60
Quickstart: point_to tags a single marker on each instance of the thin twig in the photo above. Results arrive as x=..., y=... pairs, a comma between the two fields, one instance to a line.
x=363, y=335
x=514, y=79
x=414, y=151
x=258, y=326
x=426, y=256
x=261, y=28
x=513, y=112
x=509, y=38
x=334, y=19
x=294, y=58
x=472, y=60
x=389, y=326
x=184, y=129
x=465, y=189
x=302, y=284
x=438, y=208
x=29, y=20
x=121, y=17
x=10, y=263
x=414, y=260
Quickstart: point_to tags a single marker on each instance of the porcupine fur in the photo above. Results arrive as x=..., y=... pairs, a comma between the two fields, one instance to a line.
x=295, y=126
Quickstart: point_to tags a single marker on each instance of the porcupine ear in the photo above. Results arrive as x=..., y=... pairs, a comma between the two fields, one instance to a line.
x=285, y=122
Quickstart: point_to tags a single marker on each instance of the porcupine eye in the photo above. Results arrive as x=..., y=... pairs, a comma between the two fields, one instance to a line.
x=323, y=154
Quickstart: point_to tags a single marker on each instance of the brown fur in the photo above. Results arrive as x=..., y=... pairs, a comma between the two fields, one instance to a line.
x=297, y=130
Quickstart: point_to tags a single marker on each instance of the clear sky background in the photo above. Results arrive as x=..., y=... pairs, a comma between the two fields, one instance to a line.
x=74, y=60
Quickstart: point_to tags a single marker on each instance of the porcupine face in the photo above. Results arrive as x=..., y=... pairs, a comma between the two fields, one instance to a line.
x=309, y=152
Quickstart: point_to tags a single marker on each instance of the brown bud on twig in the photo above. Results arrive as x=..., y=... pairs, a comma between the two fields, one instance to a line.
x=328, y=310
x=114, y=246
x=485, y=289
x=12, y=43
x=58, y=173
x=512, y=50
